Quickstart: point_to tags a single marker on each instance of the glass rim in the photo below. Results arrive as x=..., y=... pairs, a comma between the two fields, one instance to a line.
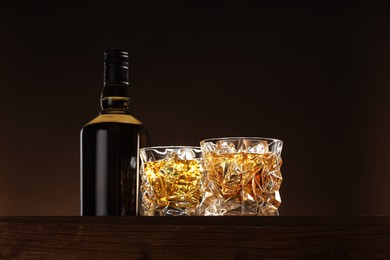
x=238, y=138
x=165, y=147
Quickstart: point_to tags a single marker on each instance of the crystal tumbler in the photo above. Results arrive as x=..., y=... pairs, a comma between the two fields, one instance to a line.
x=242, y=176
x=170, y=180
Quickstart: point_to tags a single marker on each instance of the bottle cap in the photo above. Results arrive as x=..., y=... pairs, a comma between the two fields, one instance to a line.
x=116, y=67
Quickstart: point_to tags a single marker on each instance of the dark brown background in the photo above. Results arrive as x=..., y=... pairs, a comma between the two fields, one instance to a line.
x=315, y=76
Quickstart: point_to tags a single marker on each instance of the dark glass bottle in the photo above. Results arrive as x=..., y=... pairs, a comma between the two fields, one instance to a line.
x=109, y=147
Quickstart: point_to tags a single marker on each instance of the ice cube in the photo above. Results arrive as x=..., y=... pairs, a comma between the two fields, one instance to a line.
x=224, y=147
x=171, y=154
x=186, y=154
x=208, y=147
x=260, y=148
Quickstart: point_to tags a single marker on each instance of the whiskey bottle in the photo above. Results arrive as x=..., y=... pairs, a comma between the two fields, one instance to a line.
x=109, y=147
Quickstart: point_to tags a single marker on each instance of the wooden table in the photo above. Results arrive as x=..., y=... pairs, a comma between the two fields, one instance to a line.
x=283, y=237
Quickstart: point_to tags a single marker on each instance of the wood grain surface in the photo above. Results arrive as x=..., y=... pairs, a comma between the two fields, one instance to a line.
x=283, y=237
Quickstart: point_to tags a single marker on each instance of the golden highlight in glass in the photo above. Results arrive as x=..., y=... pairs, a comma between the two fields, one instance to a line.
x=242, y=176
x=170, y=181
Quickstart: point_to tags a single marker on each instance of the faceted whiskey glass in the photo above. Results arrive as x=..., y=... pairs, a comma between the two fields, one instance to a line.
x=170, y=180
x=242, y=176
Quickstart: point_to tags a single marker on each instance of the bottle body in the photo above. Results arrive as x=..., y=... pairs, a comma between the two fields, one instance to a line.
x=109, y=165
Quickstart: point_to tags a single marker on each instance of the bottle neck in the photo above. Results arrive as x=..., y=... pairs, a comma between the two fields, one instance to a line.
x=115, y=98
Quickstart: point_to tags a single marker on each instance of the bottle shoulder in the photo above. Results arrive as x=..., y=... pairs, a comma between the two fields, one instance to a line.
x=115, y=118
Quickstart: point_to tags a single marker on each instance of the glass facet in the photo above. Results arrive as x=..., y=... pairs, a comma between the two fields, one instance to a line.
x=170, y=180
x=242, y=176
